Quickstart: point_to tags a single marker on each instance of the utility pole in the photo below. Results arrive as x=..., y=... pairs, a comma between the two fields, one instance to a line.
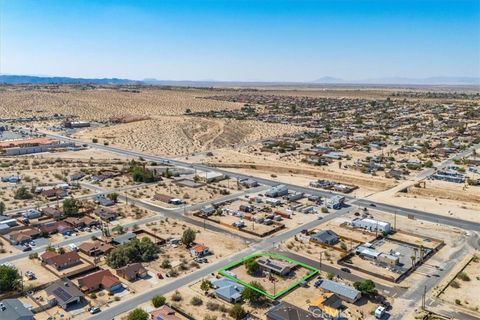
x=395, y=221
x=423, y=297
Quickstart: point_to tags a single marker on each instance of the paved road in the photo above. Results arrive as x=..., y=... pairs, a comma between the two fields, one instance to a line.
x=177, y=213
x=387, y=290
x=464, y=224
x=264, y=245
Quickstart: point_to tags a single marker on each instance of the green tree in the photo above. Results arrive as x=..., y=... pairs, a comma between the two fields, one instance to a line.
x=366, y=287
x=138, y=314
x=140, y=173
x=205, y=285
x=2, y=207
x=113, y=196
x=71, y=207
x=252, y=266
x=237, y=312
x=143, y=250
x=252, y=295
x=9, y=278
x=22, y=194
x=158, y=301
x=429, y=164
x=118, y=229
x=188, y=237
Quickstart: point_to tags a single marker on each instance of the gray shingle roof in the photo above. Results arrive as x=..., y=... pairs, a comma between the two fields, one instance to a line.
x=13, y=309
x=339, y=289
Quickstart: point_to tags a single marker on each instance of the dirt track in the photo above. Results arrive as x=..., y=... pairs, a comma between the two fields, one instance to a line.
x=373, y=183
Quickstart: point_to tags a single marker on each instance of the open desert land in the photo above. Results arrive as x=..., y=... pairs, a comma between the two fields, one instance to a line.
x=290, y=169
x=463, y=290
x=180, y=135
x=189, y=195
x=461, y=209
x=102, y=103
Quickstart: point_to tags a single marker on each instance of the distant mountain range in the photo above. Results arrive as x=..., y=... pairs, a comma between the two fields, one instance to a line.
x=327, y=80
x=405, y=81
x=14, y=79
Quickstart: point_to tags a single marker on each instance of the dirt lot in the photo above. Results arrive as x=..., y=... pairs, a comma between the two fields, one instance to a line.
x=220, y=245
x=43, y=276
x=465, y=287
x=190, y=195
x=302, y=297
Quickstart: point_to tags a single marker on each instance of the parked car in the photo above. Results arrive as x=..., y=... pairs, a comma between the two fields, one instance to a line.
x=346, y=270
x=27, y=248
x=94, y=310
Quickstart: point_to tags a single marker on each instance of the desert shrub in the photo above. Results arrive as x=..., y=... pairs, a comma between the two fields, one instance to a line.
x=176, y=296
x=196, y=301
x=158, y=301
x=463, y=276
x=213, y=306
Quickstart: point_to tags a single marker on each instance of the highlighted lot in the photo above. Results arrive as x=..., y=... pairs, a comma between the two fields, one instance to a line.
x=272, y=272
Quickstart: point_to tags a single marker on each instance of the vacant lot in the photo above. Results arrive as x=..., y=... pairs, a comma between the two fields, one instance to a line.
x=465, y=288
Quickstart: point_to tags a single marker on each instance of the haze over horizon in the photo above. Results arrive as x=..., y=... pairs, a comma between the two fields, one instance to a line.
x=277, y=41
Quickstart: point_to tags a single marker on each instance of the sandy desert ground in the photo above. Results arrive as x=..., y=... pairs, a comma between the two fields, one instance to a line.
x=180, y=135
x=103, y=103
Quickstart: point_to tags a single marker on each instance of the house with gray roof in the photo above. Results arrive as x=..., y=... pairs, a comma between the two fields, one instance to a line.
x=326, y=237
x=287, y=311
x=64, y=293
x=13, y=309
x=345, y=292
x=124, y=238
x=282, y=268
x=228, y=290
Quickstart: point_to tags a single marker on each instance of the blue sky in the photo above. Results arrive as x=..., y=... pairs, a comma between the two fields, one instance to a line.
x=240, y=40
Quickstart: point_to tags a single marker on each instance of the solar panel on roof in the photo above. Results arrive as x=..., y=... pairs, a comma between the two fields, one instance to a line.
x=62, y=294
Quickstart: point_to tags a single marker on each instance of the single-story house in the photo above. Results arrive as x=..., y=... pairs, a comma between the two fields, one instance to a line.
x=326, y=237
x=249, y=183
x=77, y=176
x=199, y=251
x=13, y=309
x=61, y=261
x=57, y=226
x=31, y=214
x=64, y=293
x=228, y=290
x=96, y=248
x=164, y=313
x=287, y=311
x=23, y=236
x=282, y=268
x=8, y=221
x=53, y=212
x=81, y=222
x=103, y=200
x=132, y=272
x=345, y=292
x=102, y=279
x=124, y=238
x=329, y=304
x=55, y=193
x=11, y=179
x=105, y=214
x=162, y=198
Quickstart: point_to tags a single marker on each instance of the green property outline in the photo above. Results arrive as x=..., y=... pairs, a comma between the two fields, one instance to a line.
x=313, y=272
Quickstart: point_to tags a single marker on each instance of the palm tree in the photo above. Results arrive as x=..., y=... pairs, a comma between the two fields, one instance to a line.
x=422, y=252
x=415, y=250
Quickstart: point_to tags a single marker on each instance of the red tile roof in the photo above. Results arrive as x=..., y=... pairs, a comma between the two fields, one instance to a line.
x=102, y=278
